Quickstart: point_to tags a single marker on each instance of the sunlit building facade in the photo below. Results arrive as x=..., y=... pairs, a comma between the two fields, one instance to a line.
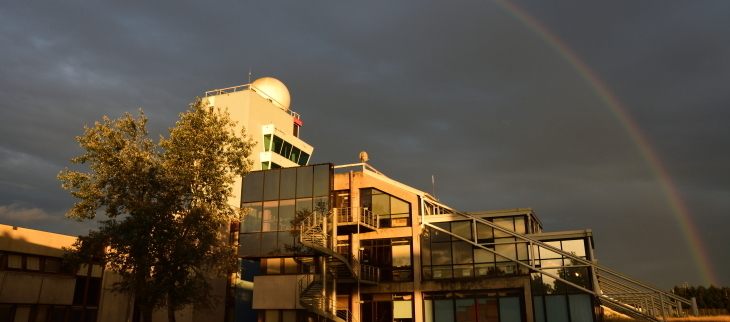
x=377, y=250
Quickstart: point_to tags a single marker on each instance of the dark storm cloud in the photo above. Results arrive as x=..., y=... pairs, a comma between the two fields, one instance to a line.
x=467, y=93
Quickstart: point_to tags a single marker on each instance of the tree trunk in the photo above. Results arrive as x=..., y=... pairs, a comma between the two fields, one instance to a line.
x=170, y=309
x=147, y=314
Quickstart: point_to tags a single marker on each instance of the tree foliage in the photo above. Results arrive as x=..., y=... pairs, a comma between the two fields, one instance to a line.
x=166, y=204
x=713, y=297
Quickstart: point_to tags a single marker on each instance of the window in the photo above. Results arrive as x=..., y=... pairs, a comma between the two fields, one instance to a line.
x=392, y=256
x=271, y=199
x=387, y=307
x=278, y=145
x=391, y=211
x=447, y=256
x=473, y=306
x=15, y=261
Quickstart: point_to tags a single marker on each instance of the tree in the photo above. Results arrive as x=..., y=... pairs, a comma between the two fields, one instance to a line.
x=166, y=205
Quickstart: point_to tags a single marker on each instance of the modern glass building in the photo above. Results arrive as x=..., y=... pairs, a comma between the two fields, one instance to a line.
x=347, y=243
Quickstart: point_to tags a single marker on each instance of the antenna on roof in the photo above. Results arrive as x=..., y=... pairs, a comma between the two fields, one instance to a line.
x=433, y=186
x=249, y=75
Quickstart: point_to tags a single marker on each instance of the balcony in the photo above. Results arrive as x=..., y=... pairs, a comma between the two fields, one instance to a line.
x=355, y=220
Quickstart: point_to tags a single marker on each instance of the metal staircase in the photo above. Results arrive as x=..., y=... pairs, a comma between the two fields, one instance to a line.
x=318, y=232
x=614, y=290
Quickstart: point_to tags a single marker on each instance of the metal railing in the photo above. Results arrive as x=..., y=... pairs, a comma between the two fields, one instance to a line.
x=356, y=216
x=239, y=88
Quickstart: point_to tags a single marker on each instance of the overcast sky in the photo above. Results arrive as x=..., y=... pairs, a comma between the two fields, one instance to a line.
x=488, y=97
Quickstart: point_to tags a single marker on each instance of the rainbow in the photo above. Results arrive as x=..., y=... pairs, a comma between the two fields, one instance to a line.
x=680, y=210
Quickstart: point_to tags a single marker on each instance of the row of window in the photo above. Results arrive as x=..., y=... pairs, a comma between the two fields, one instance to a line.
x=278, y=145
x=46, y=313
x=44, y=265
x=286, y=183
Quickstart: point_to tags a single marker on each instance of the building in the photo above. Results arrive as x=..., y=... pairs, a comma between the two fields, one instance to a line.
x=347, y=243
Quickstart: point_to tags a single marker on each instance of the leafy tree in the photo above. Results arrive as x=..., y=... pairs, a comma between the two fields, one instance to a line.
x=167, y=205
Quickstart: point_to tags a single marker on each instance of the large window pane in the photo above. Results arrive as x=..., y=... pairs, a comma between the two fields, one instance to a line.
x=443, y=310
x=287, y=185
x=506, y=250
x=303, y=204
x=250, y=244
x=398, y=206
x=462, y=253
x=441, y=253
x=581, y=309
x=503, y=222
x=286, y=149
x=303, y=158
x=462, y=229
x=520, y=224
x=576, y=246
x=509, y=309
x=304, y=182
x=545, y=253
x=270, y=216
x=286, y=214
x=278, y=143
x=269, y=245
x=484, y=233
x=556, y=308
x=294, y=157
x=539, y=309
x=321, y=180
x=465, y=310
x=253, y=186
x=488, y=309
x=271, y=185
x=483, y=256
x=401, y=255
x=381, y=204
x=252, y=219
x=437, y=235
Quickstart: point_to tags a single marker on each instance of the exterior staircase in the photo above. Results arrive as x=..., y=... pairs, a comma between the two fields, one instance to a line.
x=318, y=232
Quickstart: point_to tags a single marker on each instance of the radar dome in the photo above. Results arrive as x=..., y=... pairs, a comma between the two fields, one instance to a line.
x=272, y=88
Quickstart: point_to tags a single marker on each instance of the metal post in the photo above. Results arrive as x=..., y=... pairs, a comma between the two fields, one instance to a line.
x=679, y=309
x=661, y=302
x=695, y=311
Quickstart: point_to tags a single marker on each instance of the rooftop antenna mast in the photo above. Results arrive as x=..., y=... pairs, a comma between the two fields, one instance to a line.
x=433, y=186
x=249, y=75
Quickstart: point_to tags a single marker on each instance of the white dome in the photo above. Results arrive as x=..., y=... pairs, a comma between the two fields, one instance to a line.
x=274, y=89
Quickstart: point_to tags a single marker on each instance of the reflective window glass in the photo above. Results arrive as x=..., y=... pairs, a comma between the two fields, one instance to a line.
x=462, y=253
x=270, y=216
x=484, y=233
x=461, y=228
x=581, y=309
x=303, y=158
x=278, y=143
x=503, y=222
x=304, y=182
x=441, y=253
x=304, y=204
x=287, y=183
x=483, y=256
x=271, y=185
x=401, y=255
x=426, y=254
x=269, y=245
x=576, y=246
x=252, y=219
x=253, y=186
x=285, y=242
x=509, y=309
x=506, y=250
x=546, y=253
x=520, y=224
x=286, y=149
x=32, y=263
x=294, y=157
x=250, y=244
x=321, y=180
x=286, y=214
x=443, y=310
x=556, y=308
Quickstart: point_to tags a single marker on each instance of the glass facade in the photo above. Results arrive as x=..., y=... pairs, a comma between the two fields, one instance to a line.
x=554, y=300
x=391, y=211
x=474, y=306
x=445, y=257
x=271, y=199
x=391, y=255
x=395, y=307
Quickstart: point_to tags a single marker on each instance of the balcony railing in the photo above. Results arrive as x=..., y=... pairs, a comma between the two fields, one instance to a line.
x=356, y=216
